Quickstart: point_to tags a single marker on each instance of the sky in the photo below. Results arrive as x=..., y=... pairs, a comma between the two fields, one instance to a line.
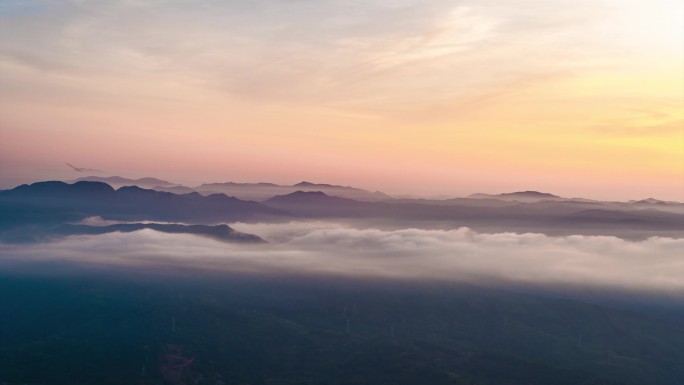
x=431, y=97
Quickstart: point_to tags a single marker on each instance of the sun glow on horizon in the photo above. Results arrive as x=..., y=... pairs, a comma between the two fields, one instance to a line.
x=579, y=98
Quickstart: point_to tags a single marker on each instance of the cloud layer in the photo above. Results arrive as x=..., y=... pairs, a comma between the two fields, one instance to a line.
x=461, y=255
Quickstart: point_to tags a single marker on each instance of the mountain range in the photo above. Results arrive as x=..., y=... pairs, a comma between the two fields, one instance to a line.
x=52, y=204
x=245, y=191
x=117, y=181
x=520, y=196
x=554, y=217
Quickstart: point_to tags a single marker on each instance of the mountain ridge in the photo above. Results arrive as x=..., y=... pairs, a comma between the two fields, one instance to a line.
x=129, y=202
x=121, y=181
x=523, y=196
x=266, y=190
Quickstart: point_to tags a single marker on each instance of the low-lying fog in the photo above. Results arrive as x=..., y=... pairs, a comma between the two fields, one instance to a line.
x=655, y=265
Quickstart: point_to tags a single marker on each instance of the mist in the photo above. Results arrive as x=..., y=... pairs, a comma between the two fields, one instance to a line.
x=326, y=298
x=460, y=255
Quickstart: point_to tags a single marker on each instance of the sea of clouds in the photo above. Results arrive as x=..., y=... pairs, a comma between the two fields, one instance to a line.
x=319, y=248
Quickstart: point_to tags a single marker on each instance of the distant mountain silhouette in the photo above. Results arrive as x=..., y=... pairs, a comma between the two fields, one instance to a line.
x=522, y=196
x=317, y=204
x=651, y=217
x=219, y=232
x=309, y=184
x=649, y=202
x=55, y=203
x=532, y=194
x=43, y=200
x=34, y=233
x=264, y=191
x=554, y=217
x=118, y=181
x=174, y=189
x=306, y=197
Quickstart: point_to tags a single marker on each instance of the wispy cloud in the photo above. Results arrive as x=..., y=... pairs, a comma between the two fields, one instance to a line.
x=529, y=86
x=327, y=50
x=630, y=129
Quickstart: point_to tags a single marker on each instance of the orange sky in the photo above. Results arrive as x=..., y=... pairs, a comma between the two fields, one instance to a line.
x=577, y=98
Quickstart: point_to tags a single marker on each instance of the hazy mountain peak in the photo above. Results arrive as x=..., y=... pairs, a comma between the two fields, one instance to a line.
x=263, y=191
x=651, y=201
x=92, y=186
x=302, y=197
x=59, y=186
x=153, y=181
x=120, y=181
x=218, y=196
x=529, y=195
x=300, y=193
x=310, y=184
x=47, y=185
x=193, y=194
x=174, y=189
x=130, y=188
x=236, y=184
